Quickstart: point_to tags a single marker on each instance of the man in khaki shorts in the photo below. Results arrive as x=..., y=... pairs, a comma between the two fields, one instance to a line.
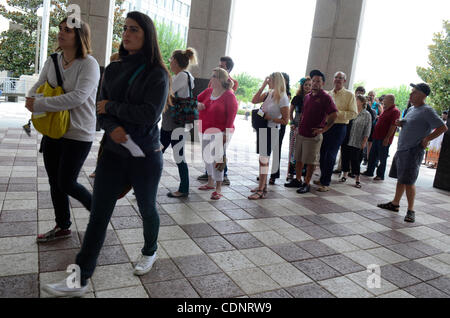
x=318, y=116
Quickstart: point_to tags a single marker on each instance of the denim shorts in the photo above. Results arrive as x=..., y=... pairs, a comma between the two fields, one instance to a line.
x=406, y=165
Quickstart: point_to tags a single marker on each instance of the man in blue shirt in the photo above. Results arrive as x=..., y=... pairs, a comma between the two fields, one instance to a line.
x=416, y=134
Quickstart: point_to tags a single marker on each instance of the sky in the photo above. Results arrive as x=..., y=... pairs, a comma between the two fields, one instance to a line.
x=269, y=36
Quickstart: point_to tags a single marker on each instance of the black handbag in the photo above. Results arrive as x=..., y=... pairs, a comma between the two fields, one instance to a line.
x=184, y=110
x=258, y=121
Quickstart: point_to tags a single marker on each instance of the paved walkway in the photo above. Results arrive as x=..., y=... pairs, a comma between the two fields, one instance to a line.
x=315, y=245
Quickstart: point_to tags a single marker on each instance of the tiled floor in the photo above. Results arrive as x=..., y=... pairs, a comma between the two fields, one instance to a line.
x=316, y=245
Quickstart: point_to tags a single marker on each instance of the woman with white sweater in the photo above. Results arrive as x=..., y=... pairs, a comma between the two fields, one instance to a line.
x=182, y=86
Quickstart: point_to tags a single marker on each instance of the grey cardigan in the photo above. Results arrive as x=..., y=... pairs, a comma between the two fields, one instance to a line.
x=361, y=127
x=80, y=82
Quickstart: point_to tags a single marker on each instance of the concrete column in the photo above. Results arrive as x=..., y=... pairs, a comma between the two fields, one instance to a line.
x=335, y=38
x=210, y=34
x=99, y=14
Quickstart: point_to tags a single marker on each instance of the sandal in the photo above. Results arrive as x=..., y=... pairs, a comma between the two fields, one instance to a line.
x=216, y=196
x=389, y=206
x=358, y=185
x=343, y=179
x=55, y=234
x=257, y=189
x=258, y=195
x=206, y=188
x=410, y=216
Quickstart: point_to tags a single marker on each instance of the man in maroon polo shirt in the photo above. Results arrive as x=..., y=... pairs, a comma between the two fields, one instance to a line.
x=383, y=136
x=318, y=116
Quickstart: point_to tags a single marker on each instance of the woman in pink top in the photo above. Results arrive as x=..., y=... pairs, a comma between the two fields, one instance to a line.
x=218, y=108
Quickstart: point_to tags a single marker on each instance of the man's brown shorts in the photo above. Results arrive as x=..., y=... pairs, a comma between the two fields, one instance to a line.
x=307, y=150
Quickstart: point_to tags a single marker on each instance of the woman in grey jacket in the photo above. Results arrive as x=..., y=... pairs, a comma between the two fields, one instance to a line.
x=134, y=93
x=64, y=157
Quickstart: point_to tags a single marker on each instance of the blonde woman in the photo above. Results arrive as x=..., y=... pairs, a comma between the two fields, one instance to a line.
x=217, y=107
x=275, y=109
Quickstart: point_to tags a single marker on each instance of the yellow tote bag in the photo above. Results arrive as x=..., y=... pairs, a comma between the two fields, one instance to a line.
x=52, y=124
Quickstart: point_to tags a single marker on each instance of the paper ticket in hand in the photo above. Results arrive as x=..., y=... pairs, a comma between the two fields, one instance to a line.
x=133, y=148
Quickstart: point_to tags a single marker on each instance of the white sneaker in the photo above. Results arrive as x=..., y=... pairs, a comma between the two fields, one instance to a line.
x=62, y=290
x=144, y=265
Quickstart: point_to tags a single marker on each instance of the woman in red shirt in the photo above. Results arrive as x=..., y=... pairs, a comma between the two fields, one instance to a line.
x=217, y=107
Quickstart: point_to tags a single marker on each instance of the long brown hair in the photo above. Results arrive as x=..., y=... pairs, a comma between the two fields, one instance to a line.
x=150, y=49
x=82, y=38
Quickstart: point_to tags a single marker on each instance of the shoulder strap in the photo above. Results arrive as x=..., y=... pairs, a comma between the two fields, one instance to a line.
x=140, y=69
x=54, y=57
x=189, y=83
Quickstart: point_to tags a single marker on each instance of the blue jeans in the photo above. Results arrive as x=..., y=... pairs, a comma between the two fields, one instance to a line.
x=332, y=141
x=114, y=173
x=378, y=153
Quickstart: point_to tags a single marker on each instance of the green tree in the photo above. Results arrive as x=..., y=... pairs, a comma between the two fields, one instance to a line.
x=169, y=41
x=248, y=86
x=360, y=83
x=438, y=74
x=401, y=94
x=18, y=44
x=119, y=21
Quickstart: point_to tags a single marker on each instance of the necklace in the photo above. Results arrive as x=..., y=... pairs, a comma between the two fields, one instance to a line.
x=67, y=62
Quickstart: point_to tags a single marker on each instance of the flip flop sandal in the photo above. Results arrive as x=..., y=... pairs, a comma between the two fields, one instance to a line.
x=410, y=217
x=389, y=206
x=258, y=195
x=358, y=185
x=206, y=188
x=343, y=179
x=216, y=196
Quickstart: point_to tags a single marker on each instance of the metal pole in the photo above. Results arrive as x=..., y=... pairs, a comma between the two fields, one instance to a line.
x=36, y=60
x=44, y=34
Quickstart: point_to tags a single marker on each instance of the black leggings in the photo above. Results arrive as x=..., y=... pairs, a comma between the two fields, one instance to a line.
x=63, y=160
x=351, y=156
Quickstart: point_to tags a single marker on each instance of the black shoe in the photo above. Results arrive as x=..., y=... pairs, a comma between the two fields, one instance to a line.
x=203, y=177
x=365, y=173
x=226, y=181
x=410, y=216
x=337, y=171
x=294, y=184
x=350, y=175
x=304, y=189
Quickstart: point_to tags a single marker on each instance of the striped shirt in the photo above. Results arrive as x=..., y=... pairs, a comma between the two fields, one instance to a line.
x=361, y=127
